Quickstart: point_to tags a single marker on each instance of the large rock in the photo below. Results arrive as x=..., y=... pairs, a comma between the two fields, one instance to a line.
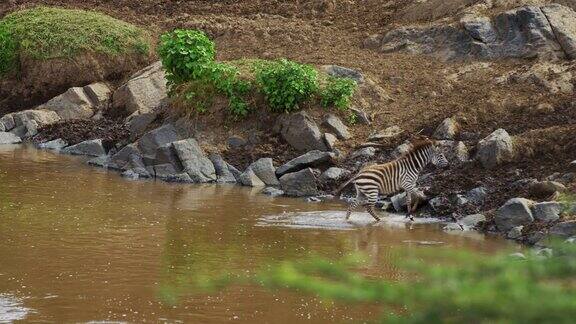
x=122, y=157
x=447, y=130
x=99, y=94
x=524, y=32
x=273, y=192
x=333, y=175
x=545, y=189
x=138, y=124
x=477, y=196
x=9, y=138
x=224, y=171
x=495, y=149
x=365, y=153
x=250, y=179
x=195, y=163
x=156, y=138
x=515, y=212
x=310, y=159
x=336, y=126
x=145, y=90
x=76, y=103
x=399, y=201
x=455, y=151
x=564, y=229
x=301, y=132
x=389, y=132
x=563, y=22
x=342, y=72
x=89, y=148
x=265, y=170
x=299, y=184
x=8, y=122
x=41, y=117
x=547, y=211
x=55, y=145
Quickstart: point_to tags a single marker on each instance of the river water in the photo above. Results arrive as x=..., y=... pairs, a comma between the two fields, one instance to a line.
x=79, y=244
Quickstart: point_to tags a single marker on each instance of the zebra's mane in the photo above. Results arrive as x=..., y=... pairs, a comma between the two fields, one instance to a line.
x=418, y=145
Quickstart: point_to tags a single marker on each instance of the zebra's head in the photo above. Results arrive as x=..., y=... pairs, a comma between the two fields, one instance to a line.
x=437, y=158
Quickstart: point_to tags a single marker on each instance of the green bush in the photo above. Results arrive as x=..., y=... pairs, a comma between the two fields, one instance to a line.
x=43, y=33
x=337, y=92
x=285, y=84
x=463, y=288
x=185, y=55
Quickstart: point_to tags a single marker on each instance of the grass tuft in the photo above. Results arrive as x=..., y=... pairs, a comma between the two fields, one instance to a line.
x=44, y=33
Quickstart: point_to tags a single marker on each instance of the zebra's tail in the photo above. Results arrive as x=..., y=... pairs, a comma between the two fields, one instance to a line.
x=343, y=186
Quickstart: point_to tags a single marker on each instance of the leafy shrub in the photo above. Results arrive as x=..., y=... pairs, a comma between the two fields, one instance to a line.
x=45, y=33
x=185, y=55
x=337, y=92
x=286, y=84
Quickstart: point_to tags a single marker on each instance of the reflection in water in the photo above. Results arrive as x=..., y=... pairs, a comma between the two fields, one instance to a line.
x=82, y=245
x=11, y=309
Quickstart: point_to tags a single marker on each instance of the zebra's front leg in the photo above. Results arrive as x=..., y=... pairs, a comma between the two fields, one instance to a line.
x=409, y=205
x=351, y=207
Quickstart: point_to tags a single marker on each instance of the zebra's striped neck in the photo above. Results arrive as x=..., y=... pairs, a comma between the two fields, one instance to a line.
x=419, y=158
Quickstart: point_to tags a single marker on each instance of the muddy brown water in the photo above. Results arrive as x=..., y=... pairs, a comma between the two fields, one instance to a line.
x=79, y=244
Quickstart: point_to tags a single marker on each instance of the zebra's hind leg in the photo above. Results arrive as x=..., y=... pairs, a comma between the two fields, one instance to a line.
x=370, y=209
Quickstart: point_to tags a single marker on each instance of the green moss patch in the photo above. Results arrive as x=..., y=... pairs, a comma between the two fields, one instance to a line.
x=44, y=33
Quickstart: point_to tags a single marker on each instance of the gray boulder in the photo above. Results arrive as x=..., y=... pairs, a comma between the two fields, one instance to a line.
x=455, y=151
x=75, y=103
x=152, y=140
x=55, y=145
x=447, y=130
x=250, y=179
x=515, y=232
x=563, y=22
x=89, y=148
x=41, y=117
x=399, y=200
x=564, y=229
x=547, y=211
x=515, y=212
x=8, y=122
x=2, y=128
x=311, y=159
x=342, y=72
x=137, y=124
x=330, y=141
x=365, y=153
x=99, y=94
x=145, y=91
x=273, y=192
x=477, y=196
x=102, y=161
x=9, y=138
x=195, y=163
x=301, y=132
x=122, y=157
x=299, y=184
x=165, y=171
x=333, y=174
x=495, y=149
x=389, y=132
x=545, y=188
x=223, y=170
x=166, y=154
x=524, y=32
x=336, y=126
x=472, y=221
x=265, y=171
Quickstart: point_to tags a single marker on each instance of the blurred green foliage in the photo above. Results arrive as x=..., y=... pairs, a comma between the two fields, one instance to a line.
x=462, y=288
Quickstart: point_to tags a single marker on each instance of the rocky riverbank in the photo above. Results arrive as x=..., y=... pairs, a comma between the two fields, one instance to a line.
x=497, y=95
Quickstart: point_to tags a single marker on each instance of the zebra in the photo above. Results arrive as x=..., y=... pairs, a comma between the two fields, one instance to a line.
x=394, y=176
